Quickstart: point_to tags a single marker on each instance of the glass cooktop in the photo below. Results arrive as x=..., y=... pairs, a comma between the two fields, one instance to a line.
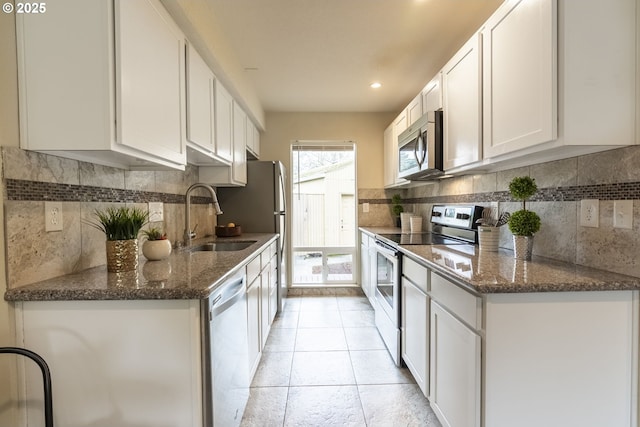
x=422, y=239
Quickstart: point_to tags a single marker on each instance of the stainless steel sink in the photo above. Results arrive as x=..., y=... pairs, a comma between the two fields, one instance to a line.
x=237, y=245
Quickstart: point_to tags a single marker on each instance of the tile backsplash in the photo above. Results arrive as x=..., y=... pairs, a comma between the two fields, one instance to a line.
x=606, y=176
x=30, y=179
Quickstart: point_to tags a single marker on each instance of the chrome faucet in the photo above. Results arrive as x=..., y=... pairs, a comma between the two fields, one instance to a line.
x=188, y=233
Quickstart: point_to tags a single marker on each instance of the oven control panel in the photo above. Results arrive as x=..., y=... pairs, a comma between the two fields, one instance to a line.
x=456, y=216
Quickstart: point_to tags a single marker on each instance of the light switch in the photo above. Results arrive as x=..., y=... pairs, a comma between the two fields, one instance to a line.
x=623, y=214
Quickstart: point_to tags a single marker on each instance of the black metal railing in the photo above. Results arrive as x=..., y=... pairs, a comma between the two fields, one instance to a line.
x=46, y=379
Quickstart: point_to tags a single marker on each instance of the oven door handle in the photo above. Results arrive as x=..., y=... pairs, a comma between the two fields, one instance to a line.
x=387, y=249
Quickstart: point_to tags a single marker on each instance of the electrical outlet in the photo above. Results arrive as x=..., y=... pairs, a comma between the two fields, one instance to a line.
x=52, y=216
x=156, y=212
x=589, y=213
x=623, y=214
x=365, y=207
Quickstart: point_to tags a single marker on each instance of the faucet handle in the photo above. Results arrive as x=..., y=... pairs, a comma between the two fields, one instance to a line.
x=192, y=233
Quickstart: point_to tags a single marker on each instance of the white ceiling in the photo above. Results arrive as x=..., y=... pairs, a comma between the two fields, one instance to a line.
x=321, y=55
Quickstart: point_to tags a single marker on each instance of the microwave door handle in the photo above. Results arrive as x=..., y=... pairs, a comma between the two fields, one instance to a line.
x=424, y=149
x=419, y=146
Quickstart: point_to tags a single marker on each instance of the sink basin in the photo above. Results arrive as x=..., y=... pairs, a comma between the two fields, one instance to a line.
x=224, y=246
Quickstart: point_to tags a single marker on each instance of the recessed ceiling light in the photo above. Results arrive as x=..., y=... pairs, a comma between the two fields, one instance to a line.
x=375, y=85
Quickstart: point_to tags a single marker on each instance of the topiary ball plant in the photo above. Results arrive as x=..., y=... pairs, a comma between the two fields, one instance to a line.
x=396, y=207
x=523, y=222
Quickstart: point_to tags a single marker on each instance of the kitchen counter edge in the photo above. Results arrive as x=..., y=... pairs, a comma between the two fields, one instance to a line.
x=499, y=272
x=186, y=274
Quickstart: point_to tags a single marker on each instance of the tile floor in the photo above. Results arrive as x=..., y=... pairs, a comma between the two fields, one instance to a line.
x=325, y=364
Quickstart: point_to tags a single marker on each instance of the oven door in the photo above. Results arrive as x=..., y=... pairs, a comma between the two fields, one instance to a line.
x=387, y=300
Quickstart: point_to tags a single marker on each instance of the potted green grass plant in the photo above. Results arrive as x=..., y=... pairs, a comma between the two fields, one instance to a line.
x=397, y=208
x=121, y=227
x=156, y=245
x=523, y=223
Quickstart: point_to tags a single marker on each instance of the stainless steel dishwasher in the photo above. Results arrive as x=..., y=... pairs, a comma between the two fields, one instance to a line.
x=225, y=353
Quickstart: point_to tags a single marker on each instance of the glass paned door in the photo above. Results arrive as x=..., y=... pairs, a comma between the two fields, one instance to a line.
x=323, y=213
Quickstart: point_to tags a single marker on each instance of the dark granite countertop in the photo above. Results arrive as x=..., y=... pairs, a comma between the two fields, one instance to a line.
x=185, y=274
x=498, y=272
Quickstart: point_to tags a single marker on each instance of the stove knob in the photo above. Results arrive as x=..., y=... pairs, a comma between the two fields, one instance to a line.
x=462, y=216
x=436, y=214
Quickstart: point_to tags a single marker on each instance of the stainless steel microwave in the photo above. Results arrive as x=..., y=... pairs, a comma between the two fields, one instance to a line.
x=420, y=148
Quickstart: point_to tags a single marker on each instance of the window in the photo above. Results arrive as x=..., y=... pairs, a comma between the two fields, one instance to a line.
x=323, y=213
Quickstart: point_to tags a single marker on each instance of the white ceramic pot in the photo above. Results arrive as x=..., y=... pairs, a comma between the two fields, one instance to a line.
x=155, y=250
x=488, y=238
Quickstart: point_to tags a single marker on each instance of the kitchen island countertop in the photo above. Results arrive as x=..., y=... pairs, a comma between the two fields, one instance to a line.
x=498, y=272
x=186, y=274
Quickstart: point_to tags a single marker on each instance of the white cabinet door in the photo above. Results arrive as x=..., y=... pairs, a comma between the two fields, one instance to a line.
x=415, y=333
x=253, y=140
x=365, y=271
x=400, y=123
x=519, y=76
x=149, y=80
x=273, y=288
x=253, y=328
x=111, y=361
x=389, y=166
x=432, y=94
x=454, y=386
x=462, y=106
x=265, y=321
x=108, y=88
x=414, y=110
x=239, y=165
x=223, y=122
x=200, y=83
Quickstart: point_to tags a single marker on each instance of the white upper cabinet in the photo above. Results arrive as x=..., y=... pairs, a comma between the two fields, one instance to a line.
x=201, y=144
x=253, y=140
x=239, y=166
x=461, y=78
x=559, y=80
x=432, y=94
x=414, y=110
x=235, y=174
x=519, y=76
x=391, y=134
x=108, y=88
x=223, y=122
x=389, y=165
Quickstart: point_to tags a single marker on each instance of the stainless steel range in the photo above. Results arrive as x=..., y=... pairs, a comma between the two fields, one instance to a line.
x=451, y=225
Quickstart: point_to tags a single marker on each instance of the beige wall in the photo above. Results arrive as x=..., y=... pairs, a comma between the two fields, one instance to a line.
x=8, y=137
x=365, y=129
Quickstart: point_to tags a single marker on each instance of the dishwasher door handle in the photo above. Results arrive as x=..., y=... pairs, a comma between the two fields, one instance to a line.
x=237, y=291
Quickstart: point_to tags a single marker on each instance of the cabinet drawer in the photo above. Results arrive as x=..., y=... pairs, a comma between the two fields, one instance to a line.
x=253, y=269
x=458, y=301
x=418, y=274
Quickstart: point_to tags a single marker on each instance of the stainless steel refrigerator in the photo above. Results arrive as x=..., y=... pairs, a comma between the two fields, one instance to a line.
x=260, y=206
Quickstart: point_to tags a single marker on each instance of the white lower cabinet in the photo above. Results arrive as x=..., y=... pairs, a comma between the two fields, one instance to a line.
x=454, y=387
x=415, y=333
x=114, y=363
x=265, y=317
x=253, y=322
